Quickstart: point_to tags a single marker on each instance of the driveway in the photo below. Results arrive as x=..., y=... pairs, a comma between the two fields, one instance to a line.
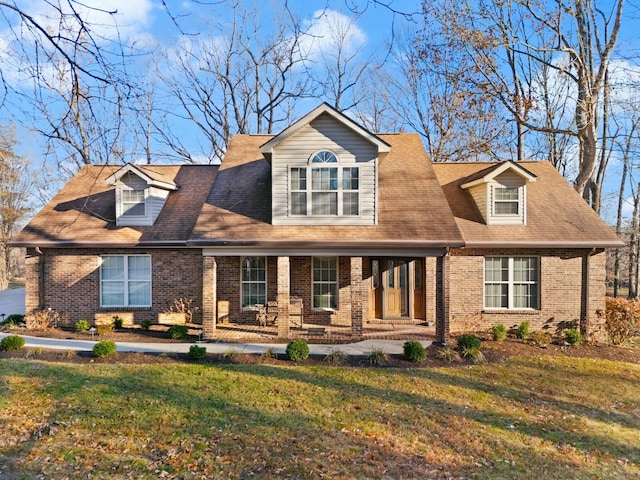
x=11, y=301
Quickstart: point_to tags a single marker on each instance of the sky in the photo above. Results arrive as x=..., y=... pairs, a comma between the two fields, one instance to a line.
x=155, y=25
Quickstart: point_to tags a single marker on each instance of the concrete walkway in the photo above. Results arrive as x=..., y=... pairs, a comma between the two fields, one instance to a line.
x=365, y=347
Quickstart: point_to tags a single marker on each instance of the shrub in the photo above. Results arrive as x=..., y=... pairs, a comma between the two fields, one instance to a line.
x=118, y=322
x=474, y=354
x=622, y=319
x=14, y=318
x=335, y=357
x=499, y=333
x=468, y=341
x=523, y=330
x=269, y=353
x=449, y=355
x=82, y=325
x=177, y=331
x=378, y=358
x=297, y=350
x=104, y=329
x=572, y=336
x=197, y=353
x=12, y=342
x=105, y=348
x=540, y=338
x=145, y=325
x=414, y=351
x=42, y=319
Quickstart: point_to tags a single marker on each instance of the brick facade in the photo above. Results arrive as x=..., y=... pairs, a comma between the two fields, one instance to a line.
x=69, y=282
x=561, y=291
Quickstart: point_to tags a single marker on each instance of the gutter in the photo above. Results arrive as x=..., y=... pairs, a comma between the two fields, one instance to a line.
x=545, y=244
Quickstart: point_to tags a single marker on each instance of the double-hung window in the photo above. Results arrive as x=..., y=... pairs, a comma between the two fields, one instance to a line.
x=254, y=281
x=325, y=282
x=125, y=281
x=133, y=203
x=506, y=201
x=324, y=188
x=511, y=282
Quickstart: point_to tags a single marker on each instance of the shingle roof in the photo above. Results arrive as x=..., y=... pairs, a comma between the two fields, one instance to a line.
x=412, y=209
x=556, y=215
x=83, y=212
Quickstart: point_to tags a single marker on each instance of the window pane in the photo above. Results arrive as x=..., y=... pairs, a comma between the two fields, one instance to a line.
x=350, y=203
x=324, y=203
x=506, y=193
x=324, y=296
x=496, y=296
x=496, y=269
x=139, y=293
x=506, y=200
x=324, y=157
x=254, y=281
x=324, y=178
x=350, y=178
x=325, y=284
x=524, y=269
x=133, y=202
x=298, y=179
x=506, y=208
x=112, y=268
x=298, y=203
x=112, y=294
x=139, y=268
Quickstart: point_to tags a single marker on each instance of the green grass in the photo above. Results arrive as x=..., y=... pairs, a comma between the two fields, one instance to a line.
x=528, y=417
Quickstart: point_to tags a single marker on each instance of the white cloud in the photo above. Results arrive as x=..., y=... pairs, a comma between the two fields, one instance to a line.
x=329, y=30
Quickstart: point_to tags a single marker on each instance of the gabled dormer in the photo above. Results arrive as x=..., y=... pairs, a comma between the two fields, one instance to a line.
x=500, y=193
x=140, y=194
x=324, y=171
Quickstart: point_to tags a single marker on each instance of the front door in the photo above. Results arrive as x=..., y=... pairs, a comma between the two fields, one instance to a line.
x=395, y=277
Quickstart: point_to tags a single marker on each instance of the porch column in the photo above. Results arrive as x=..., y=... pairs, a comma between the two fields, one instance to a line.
x=359, y=297
x=209, y=296
x=442, y=301
x=283, y=297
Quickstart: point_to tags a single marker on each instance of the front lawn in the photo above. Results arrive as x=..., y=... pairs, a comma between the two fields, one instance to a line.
x=524, y=417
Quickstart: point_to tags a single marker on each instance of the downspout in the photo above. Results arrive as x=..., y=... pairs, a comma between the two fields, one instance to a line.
x=586, y=281
x=442, y=321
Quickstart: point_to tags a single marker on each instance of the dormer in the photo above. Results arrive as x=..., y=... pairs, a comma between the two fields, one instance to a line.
x=324, y=171
x=140, y=193
x=500, y=193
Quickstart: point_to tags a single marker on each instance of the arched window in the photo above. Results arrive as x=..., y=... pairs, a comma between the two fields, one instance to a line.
x=333, y=191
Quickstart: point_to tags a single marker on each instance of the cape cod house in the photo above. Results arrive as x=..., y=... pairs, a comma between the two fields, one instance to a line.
x=328, y=222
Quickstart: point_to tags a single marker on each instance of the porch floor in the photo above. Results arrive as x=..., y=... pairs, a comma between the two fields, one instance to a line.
x=323, y=333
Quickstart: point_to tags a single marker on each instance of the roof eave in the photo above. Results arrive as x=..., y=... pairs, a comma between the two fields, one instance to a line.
x=545, y=244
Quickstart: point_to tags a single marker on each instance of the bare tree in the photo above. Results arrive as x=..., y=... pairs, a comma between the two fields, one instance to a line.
x=15, y=187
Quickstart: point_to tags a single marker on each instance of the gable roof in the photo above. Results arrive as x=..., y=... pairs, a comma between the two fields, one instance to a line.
x=324, y=108
x=557, y=217
x=156, y=177
x=83, y=212
x=489, y=174
x=412, y=211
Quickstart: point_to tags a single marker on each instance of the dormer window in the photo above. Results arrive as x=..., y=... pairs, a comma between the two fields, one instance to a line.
x=332, y=191
x=506, y=200
x=133, y=203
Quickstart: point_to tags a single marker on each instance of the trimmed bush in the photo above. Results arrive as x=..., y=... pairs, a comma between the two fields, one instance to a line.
x=118, y=322
x=105, y=348
x=104, y=329
x=622, y=319
x=297, y=350
x=82, y=325
x=414, y=351
x=523, y=330
x=145, y=325
x=197, y=353
x=572, y=336
x=499, y=333
x=12, y=342
x=467, y=341
x=177, y=331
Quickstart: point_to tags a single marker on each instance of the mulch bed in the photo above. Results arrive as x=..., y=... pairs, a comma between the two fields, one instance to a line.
x=493, y=352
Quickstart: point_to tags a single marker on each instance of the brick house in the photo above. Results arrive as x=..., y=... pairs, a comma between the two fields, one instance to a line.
x=327, y=219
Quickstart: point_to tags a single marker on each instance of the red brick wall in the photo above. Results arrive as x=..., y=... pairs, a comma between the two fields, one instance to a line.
x=560, y=291
x=71, y=282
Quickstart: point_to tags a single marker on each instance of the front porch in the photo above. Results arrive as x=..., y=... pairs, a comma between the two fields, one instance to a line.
x=322, y=299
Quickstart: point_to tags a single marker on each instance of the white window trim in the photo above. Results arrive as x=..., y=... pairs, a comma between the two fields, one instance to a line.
x=518, y=201
x=337, y=284
x=242, y=282
x=145, y=202
x=126, y=281
x=340, y=191
x=510, y=282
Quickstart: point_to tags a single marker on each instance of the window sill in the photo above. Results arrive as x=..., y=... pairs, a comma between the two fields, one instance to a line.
x=124, y=308
x=511, y=311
